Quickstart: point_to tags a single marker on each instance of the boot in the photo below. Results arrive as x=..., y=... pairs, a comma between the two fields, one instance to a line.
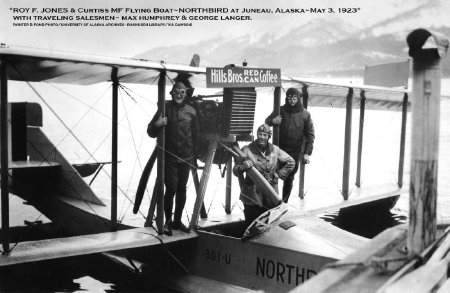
x=167, y=229
x=181, y=227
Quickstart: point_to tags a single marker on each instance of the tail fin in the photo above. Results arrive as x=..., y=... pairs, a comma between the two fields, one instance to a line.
x=195, y=61
x=184, y=77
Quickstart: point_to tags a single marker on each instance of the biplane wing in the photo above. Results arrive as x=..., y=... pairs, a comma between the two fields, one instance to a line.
x=384, y=87
x=333, y=94
x=33, y=65
x=31, y=251
x=85, y=69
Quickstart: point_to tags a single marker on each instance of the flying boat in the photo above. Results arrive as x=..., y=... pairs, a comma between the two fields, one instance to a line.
x=283, y=248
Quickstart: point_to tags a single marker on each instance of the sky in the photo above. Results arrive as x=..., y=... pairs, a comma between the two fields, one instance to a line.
x=130, y=41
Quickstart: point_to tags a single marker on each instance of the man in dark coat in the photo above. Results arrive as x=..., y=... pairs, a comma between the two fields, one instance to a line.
x=296, y=127
x=181, y=126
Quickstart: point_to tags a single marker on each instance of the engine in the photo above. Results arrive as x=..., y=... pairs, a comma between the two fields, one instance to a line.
x=231, y=120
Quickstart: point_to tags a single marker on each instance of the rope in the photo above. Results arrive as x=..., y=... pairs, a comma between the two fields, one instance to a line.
x=126, y=89
x=129, y=183
x=76, y=124
x=186, y=270
x=134, y=141
x=24, y=233
x=215, y=193
x=80, y=101
x=57, y=116
x=379, y=264
x=76, y=192
x=106, y=137
x=162, y=64
x=72, y=187
x=65, y=125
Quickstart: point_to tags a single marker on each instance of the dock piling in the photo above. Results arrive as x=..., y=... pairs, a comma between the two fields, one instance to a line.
x=427, y=73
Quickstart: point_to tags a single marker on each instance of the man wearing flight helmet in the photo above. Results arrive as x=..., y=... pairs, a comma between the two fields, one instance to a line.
x=296, y=127
x=181, y=127
x=271, y=161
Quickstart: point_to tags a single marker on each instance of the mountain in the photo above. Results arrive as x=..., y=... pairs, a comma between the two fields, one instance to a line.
x=323, y=46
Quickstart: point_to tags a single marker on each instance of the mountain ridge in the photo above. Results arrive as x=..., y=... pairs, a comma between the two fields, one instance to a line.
x=320, y=46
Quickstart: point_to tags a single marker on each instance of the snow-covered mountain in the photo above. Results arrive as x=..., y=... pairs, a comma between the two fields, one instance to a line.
x=323, y=45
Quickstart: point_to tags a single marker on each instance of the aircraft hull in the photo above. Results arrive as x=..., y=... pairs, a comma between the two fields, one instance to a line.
x=253, y=265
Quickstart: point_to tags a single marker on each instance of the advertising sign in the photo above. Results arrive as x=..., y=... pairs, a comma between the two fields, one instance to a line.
x=242, y=77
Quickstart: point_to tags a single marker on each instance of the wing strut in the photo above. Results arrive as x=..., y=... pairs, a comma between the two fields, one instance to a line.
x=4, y=155
x=203, y=183
x=401, y=159
x=114, y=148
x=362, y=108
x=347, y=144
x=301, y=173
x=161, y=148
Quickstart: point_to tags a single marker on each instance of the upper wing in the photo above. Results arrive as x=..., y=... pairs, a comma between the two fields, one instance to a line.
x=84, y=69
x=332, y=94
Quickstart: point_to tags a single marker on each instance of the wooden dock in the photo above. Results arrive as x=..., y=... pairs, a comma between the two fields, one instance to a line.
x=414, y=257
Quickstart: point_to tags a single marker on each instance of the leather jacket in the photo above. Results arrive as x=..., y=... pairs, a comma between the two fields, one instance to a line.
x=181, y=130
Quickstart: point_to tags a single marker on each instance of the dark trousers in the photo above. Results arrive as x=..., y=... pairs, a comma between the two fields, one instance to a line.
x=252, y=212
x=176, y=176
x=288, y=182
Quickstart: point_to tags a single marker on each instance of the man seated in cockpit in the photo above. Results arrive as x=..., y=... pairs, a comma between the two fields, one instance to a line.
x=272, y=162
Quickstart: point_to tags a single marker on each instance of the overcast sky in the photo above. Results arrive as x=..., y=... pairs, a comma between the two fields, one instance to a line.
x=129, y=41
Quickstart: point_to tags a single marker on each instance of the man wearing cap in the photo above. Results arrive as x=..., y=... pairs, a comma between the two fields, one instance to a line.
x=181, y=127
x=296, y=128
x=271, y=161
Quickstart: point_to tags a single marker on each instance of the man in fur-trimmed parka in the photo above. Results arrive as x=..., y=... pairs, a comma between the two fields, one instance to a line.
x=296, y=127
x=272, y=162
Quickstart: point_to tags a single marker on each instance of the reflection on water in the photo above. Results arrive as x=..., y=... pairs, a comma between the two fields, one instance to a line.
x=87, y=283
x=369, y=219
x=368, y=225
x=82, y=274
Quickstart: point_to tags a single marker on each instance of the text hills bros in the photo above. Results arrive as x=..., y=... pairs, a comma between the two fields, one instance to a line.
x=244, y=76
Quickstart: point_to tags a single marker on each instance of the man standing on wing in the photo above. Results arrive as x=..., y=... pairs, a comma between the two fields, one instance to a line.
x=181, y=126
x=296, y=127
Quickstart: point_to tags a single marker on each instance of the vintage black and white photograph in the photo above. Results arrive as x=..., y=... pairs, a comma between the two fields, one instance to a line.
x=224, y=146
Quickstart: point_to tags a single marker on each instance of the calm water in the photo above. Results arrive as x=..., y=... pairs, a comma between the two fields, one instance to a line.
x=81, y=274
x=96, y=274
